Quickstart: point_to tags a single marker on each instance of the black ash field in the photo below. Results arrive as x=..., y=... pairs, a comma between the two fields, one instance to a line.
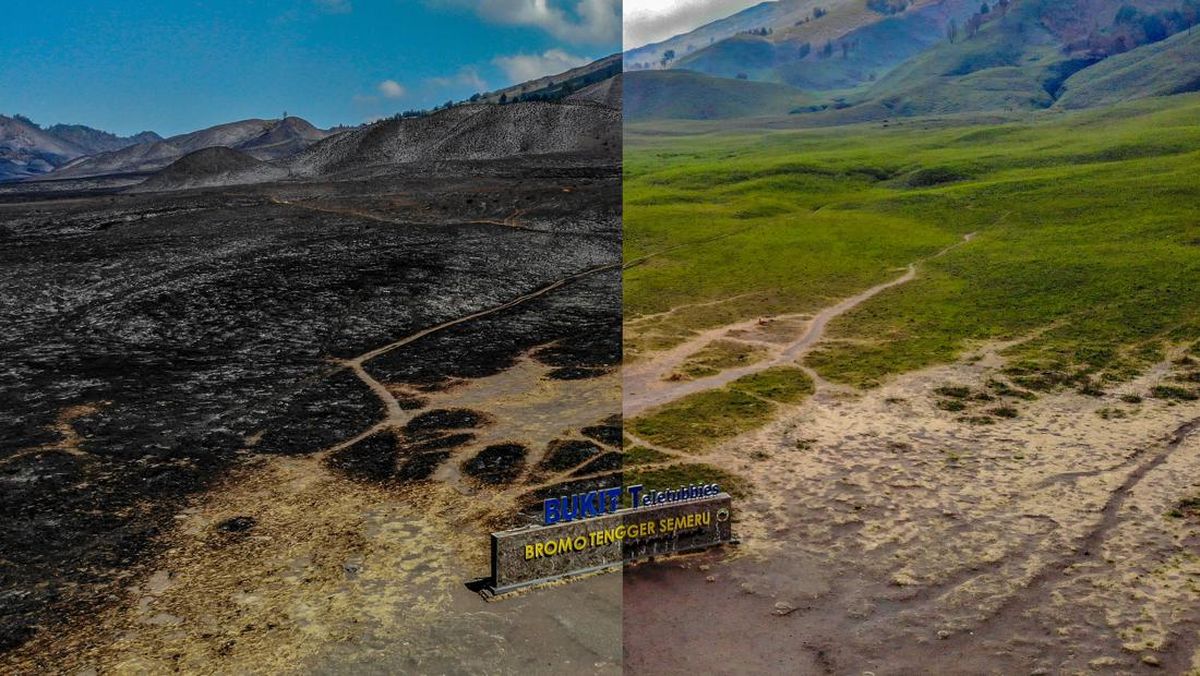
x=259, y=416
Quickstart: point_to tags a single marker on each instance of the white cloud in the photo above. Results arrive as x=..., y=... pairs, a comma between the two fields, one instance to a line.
x=392, y=89
x=334, y=6
x=522, y=67
x=467, y=77
x=575, y=21
x=649, y=21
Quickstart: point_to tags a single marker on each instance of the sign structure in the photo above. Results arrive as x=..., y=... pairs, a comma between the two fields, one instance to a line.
x=581, y=540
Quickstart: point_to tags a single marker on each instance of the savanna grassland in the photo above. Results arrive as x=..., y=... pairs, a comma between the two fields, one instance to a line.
x=1087, y=238
x=952, y=367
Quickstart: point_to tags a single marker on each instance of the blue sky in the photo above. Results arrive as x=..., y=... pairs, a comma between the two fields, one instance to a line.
x=174, y=66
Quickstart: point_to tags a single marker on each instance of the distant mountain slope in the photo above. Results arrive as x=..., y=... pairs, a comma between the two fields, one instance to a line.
x=469, y=132
x=1023, y=60
x=28, y=150
x=843, y=49
x=215, y=166
x=606, y=92
x=558, y=85
x=93, y=141
x=811, y=44
x=583, y=123
x=1163, y=68
x=288, y=137
x=681, y=94
x=873, y=59
x=774, y=15
x=262, y=139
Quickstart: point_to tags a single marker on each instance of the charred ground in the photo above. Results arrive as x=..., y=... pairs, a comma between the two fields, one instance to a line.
x=156, y=342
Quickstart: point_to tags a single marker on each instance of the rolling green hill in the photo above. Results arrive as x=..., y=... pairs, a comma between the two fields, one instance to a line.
x=849, y=46
x=1029, y=58
x=684, y=95
x=938, y=57
x=1168, y=67
x=1009, y=65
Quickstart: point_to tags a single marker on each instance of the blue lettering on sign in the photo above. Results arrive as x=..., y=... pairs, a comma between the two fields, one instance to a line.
x=603, y=501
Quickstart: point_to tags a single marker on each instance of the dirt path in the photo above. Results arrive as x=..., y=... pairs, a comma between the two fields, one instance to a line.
x=900, y=538
x=646, y=382
x=335, y=575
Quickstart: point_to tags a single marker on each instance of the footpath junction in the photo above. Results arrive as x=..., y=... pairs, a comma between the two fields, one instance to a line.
x=591, y=531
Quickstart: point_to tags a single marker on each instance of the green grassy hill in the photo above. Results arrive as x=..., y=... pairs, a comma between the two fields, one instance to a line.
x=775, y=15
x=876, y=43
x=1012, y=64
x=1025, y=59
x=681, y=94
x=950, y=56
x=1168, y=67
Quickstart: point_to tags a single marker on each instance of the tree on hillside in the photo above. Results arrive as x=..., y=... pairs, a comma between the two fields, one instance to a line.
x=845, y=50
x=1128, y=14
x=504, y=98
x=819, y=12
x=952, y=30
x=984, y=9
x=828, y=50
x=1154, y=28
x=805, y=49
x=974, y=24
x=888, y=7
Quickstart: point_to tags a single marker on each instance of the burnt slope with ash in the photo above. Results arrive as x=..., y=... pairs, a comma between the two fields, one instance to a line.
x=211, y=167
x=471, y=132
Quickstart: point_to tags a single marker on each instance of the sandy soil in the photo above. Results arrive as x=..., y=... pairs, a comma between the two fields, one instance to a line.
x=889, y=536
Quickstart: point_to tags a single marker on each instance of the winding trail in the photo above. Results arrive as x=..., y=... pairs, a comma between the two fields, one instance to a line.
x=646, y=385
x=395, y=416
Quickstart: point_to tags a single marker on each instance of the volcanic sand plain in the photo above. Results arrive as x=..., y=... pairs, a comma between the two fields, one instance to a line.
x=951, y=365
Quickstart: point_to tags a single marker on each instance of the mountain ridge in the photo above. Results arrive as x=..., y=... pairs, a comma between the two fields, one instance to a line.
x=906, y=58
x=28, y=150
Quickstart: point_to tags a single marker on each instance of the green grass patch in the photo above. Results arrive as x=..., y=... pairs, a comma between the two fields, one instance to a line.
x=1188, y=508
x=953, y=391
x=700, y=421
x=1174, y=392
x=640, y=455
x=718, y=356
x=783, y=384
